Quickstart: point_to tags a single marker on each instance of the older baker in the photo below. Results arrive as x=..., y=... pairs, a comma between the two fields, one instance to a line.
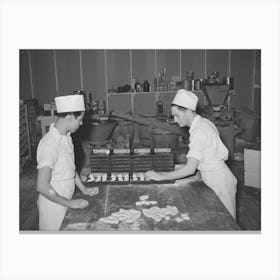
x=207, y=152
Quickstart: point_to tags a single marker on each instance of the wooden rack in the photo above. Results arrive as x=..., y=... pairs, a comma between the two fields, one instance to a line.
x=32, y=119
x=24, y=137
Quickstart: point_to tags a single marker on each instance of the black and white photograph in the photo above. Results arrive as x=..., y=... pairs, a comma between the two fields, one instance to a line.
x=140, y=140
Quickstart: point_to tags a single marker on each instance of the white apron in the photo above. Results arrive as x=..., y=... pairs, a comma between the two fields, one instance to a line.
x=223, y=183
x=207, y=147
x=51, y=214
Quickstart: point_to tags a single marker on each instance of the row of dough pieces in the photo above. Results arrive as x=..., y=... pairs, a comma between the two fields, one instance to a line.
x=154, y=212
x=116, y=177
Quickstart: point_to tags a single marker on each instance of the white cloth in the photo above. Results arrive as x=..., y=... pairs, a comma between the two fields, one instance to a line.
x=207, y=147
x=57, y=152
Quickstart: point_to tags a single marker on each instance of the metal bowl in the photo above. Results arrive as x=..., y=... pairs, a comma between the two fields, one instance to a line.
x=97, y=131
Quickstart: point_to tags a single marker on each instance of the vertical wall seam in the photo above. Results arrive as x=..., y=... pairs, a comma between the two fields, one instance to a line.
x=55, y=73
x=155, y=63
x=81, y=70
x=131, y=76
x=205, y=63
x=180, y=64
x=130, y=66
x=253, y=80
x=132, y=95
x=106, y=80
x=30, y=73
x=229, y=63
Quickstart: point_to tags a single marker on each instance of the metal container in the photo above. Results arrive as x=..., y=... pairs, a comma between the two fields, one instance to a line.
x=190, y=75
x=101, y=107
x=197, y=84
x=97, y=131
x=230, y=82
x=146, y=86
x=187, y=84
x=164, y=139
x=124, y=128
x=159, y=108
x=144, y=133
x=157, y=137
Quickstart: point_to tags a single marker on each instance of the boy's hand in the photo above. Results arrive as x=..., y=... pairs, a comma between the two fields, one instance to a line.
x=78, y=203
x=90, y=191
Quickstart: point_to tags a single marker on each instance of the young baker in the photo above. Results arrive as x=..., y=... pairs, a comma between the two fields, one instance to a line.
x=207, y=152
x=57, y=174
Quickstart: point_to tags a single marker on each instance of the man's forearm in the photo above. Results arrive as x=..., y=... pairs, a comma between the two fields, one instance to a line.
x=177, y=173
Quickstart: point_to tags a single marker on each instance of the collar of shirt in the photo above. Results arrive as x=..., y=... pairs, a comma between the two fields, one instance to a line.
x=195, y=122
x=62, y=138
x=56, y=133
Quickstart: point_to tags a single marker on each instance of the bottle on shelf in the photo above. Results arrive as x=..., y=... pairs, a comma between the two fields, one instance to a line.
x=146, y=86
x=159, y=108
x=137, y=86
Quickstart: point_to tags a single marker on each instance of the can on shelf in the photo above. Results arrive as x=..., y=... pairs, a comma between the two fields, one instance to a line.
x=159, y=108
x=197, y=84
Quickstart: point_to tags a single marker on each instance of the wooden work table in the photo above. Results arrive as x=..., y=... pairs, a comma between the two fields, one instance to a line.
x=205, y=210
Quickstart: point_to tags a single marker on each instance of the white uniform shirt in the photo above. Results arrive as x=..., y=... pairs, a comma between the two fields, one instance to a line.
x=57, y=152
x=206, y=145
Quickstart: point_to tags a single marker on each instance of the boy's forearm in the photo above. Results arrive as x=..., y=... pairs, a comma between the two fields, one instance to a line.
x=49, y=193
x=79, y=182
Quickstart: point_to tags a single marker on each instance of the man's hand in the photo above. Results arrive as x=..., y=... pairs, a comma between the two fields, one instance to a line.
x=78, y=203
x=90, y=191
x=152, y=175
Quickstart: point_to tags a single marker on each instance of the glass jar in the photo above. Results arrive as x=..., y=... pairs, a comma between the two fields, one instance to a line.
x=101, y=107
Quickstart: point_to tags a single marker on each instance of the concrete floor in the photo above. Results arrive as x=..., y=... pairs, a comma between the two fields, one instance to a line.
x=248, y=199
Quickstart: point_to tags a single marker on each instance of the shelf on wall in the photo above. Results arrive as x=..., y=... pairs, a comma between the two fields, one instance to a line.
x=142, y=92
x=149, y=92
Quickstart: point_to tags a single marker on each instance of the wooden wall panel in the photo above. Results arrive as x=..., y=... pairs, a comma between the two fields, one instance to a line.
x=43, y=75
x=120, y=103
x=145, y=104
x=93, y=67
x=217, y=61
x=166, y=99
x=118, y=68
x=169, y=59
x=193, y=60
x=143, y=65
x=257, y=101
x=68, y=71
x=258, y=68
x=24, y=75
x=242, y=72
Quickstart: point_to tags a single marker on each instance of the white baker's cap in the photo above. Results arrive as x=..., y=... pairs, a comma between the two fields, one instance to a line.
x=70, y=103
x=185, y=99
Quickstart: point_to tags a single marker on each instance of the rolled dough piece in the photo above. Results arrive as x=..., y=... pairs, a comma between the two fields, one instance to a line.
x=109, y=220
x=143, y=197
x=185, y=216
x=179, y=220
